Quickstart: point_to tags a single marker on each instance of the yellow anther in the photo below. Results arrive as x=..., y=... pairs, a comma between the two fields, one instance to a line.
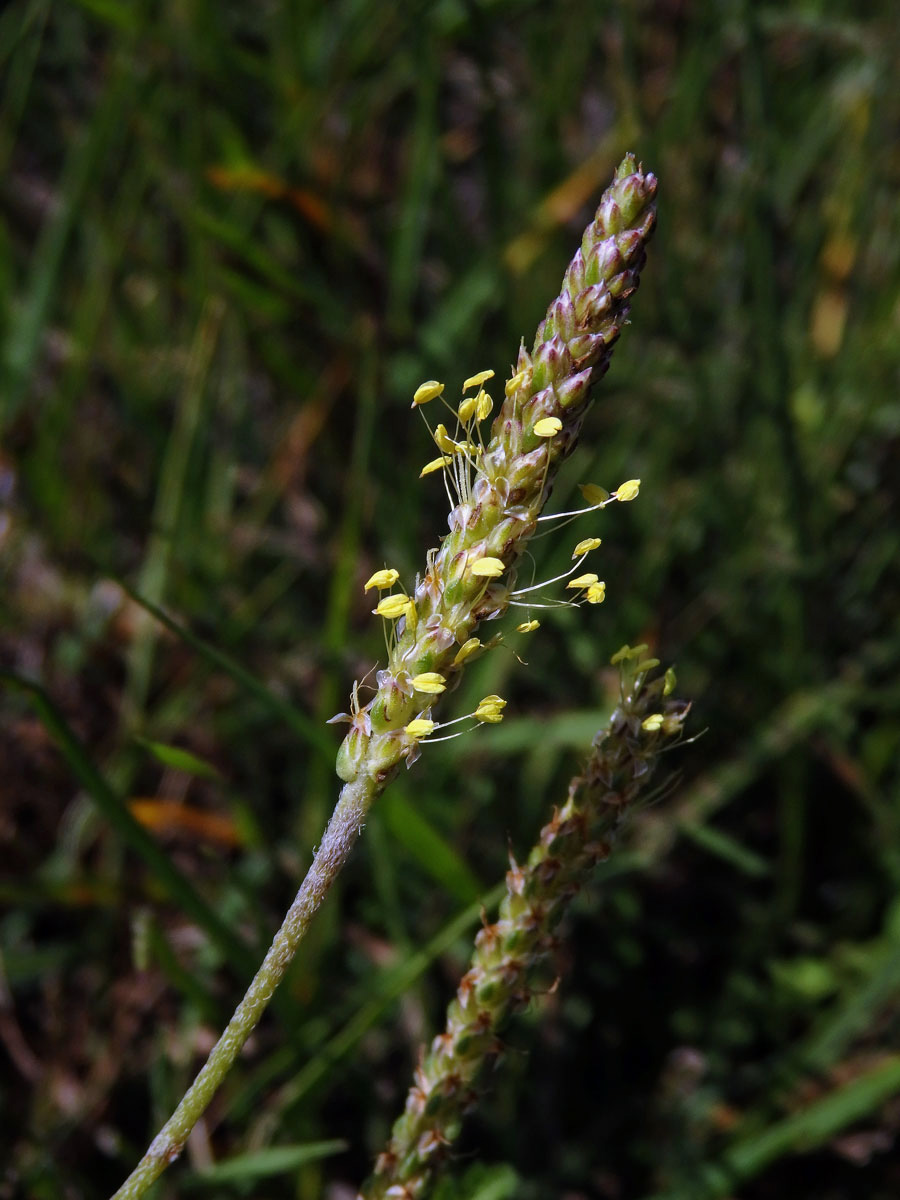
x=596, y=593
x=382, y=579
x=477, y=380
x=419, y=728
x=466, y=650
x=669, y=684
x=547, y=427
x=483, y=405
x=490, y=710
x=435, y=465
x=466, y=410
x=583, y=581
x=431, y=682
x=427, y=391
x=594, y=494
x=487, y=568
x=393, y=607
x=528, y=627
x=444, y=441
x=511, y=384
x=652, y=723
x=628, y=490
x=585, y=547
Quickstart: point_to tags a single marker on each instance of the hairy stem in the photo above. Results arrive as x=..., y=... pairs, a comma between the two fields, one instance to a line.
x=345, y=825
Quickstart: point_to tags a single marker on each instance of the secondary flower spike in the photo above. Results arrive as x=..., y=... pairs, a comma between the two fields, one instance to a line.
x=471, y=577
x=510, y=954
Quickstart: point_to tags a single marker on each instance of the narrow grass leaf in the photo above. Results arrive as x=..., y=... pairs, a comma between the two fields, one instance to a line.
x=179, y=759
x=799, y=1133
x=132, y=833
x=484, y=1183
x=262, y=1164
x=723, y=846
x=817, y=1123
x=296, y=720
x=432, y=851
x=23, y=342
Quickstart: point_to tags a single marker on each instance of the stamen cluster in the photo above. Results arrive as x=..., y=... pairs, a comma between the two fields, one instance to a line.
x=498, y=488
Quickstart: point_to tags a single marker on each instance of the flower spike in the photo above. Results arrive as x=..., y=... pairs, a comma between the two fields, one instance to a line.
x=499, y=488
x=509, y=953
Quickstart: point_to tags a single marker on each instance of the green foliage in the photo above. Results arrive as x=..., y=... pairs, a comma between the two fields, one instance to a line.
x=235, y=238
x=249, y=1168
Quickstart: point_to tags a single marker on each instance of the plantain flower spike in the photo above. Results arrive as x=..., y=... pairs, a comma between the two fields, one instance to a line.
x=511, y=955
x=471, y=577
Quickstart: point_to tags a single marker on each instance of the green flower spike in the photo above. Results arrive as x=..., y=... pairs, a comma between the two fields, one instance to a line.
x=502, y=487
x=509, y=954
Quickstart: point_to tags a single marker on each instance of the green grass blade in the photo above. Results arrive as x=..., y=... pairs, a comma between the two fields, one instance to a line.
x=432, y=851
x=723, y=846
x=23, y=342
x=263, y=1164
x=132, y=833
x=798, y=1133
x=814, y=1125
x=168, y=503
x=315, y=738
x=179, y=759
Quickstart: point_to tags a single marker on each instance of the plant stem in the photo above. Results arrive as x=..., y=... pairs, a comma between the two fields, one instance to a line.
x=340, y=836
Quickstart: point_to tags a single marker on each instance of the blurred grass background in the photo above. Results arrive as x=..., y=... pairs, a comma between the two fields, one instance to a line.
x=234, y=239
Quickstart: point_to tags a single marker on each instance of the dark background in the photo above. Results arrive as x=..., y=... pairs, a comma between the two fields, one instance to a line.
x=235, y=238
